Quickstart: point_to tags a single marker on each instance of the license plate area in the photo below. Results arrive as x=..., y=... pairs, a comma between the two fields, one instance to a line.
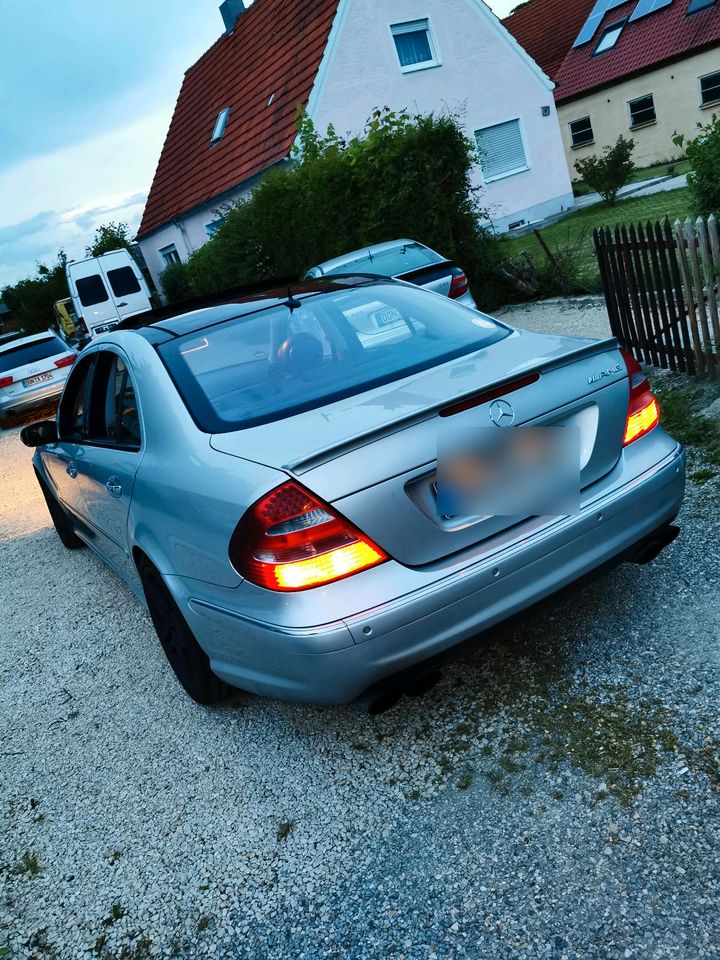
x=40, y=378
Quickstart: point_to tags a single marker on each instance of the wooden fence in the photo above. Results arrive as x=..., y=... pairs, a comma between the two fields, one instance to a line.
x=661, y=288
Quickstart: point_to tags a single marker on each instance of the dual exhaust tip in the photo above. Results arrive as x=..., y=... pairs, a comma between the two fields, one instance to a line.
x=384, y=699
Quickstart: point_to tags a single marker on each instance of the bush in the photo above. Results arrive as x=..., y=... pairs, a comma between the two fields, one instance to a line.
x=608, y=172
x=31, y=300
x=406, y=176
x=703, y=152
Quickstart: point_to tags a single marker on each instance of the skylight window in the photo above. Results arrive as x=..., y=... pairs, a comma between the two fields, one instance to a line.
x=696, y=5
x=610, y=37
x=220, y=125
x=595, y=19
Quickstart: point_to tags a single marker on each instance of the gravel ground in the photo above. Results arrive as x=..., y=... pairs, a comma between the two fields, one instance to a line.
x=574, y=316
x=556, y=796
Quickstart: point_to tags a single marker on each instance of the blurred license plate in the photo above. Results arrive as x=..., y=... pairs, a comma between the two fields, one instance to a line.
x=40, y=378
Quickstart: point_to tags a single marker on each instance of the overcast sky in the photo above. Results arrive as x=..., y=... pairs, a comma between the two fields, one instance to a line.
x=87, y=89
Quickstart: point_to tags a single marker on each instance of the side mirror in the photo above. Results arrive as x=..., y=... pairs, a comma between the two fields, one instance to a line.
x=38, y=434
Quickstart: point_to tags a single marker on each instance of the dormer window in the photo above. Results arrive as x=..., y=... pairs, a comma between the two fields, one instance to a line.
x=610, y=37
x=220, y=125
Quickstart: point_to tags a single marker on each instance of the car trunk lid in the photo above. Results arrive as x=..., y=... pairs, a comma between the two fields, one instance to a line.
x=374, y=456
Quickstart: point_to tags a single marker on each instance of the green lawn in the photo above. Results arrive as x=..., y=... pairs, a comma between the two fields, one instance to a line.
x=678, y=167
x=573, y=235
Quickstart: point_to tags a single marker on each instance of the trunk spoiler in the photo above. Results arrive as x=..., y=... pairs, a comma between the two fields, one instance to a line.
x=520, y=378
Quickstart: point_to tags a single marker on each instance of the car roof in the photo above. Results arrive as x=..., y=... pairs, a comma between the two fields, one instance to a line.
x=170, y=322
x=22, y=341
x=374, y=249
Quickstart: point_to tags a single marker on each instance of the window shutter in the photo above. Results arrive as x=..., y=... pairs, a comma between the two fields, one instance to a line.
x=501, y=149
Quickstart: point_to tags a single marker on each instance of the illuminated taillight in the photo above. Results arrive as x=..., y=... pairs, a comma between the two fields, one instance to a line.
x=66, y=361
x=459, y=285
x=291, y=540
x=5, y=381
x=643, y=409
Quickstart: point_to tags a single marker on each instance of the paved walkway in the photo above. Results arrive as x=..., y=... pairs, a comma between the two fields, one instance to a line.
x=640, y=188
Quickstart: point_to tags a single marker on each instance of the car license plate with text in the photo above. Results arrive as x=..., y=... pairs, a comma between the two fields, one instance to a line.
x=40, y=378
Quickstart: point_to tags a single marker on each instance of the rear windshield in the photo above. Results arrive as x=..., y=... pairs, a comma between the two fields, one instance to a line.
x=389, y=263
x=282, y=361
x=123, y=281
x=30, y=353
x=91, y=290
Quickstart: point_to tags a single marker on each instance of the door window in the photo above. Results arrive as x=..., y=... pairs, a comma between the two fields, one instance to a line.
x=119, y=419
x=75, y=406
x=123, y=281
x=91, y=290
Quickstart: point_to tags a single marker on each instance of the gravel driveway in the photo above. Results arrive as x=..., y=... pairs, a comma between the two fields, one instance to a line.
x=557, y=796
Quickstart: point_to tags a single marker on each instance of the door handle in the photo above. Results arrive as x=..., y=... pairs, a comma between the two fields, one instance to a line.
x=114, y=487
x=71, y=470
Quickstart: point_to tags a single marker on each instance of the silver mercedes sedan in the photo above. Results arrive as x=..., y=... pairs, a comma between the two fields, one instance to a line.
x=318, y=491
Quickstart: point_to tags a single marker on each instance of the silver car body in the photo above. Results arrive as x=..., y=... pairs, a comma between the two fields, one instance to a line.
x=179, y=498
x=398, y=259
x=31, y=366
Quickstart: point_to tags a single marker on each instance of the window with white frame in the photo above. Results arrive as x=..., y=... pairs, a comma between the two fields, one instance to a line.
x=710, y=89
x=415, y=45
x=581, y=132
x=169, y=254
x=220, y=124
x=502, y=150
x=212, y=228
x=642, y=111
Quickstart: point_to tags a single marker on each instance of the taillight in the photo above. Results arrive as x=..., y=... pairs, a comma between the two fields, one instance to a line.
x=291, y=540
x=5, y=381
x=643, y=409
x=66, y=361
x=460, y=284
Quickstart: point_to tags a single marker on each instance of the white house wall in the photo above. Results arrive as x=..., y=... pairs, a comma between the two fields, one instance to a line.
x=483, y=74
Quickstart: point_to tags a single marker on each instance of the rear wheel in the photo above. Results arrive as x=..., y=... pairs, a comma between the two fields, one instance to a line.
x=60, y=519
x=189, y=661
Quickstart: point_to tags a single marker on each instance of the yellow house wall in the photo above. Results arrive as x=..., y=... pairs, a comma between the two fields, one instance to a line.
x=676, y=89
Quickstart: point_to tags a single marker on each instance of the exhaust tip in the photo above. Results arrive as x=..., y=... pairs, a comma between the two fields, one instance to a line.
x=382, y=702
x=652, y=548
x=423, y=685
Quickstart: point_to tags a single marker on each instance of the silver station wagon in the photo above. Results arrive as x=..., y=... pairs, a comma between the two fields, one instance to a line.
x=297, y=484
x=33, y=371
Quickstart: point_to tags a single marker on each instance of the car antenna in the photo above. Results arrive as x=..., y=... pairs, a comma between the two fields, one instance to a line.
x=292, y=303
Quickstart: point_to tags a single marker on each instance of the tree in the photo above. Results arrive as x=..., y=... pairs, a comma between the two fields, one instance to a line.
x=31, y=300
x=407, y=176
x=109, y=236
x=608, y=172
x=703, y=152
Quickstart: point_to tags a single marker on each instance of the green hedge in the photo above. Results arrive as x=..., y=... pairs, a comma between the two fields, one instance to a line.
x=407, y=176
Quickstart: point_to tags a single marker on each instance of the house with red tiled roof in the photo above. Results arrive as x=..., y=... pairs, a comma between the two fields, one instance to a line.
x=547, y=29
x=642, y=68
x=235, y=117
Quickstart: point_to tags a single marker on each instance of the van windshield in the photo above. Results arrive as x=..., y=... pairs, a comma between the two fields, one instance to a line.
x=284, y=359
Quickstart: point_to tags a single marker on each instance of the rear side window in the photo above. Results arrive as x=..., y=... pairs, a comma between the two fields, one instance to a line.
x=390, y=263
x=294, y=357
x=31, y=353
x=91, y=290
x=123, y=281
x=117, y=409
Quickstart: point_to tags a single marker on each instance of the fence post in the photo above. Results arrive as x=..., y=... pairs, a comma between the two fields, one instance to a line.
x=709, y=275
x=700, y=297
x=689, y=300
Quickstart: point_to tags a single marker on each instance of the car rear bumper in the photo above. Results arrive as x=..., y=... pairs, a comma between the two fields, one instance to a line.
x=337, y=662
x=43, y=393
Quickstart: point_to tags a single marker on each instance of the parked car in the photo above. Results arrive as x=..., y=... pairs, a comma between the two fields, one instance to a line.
x=106, y=290
x=403, y=260
x=33, y=370
x=264, y=476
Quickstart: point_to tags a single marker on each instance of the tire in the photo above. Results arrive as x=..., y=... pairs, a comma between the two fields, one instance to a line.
x=60, y=519
x=189, y=661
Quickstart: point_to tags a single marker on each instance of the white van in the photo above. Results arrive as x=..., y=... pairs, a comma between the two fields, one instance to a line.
x=106, y=290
